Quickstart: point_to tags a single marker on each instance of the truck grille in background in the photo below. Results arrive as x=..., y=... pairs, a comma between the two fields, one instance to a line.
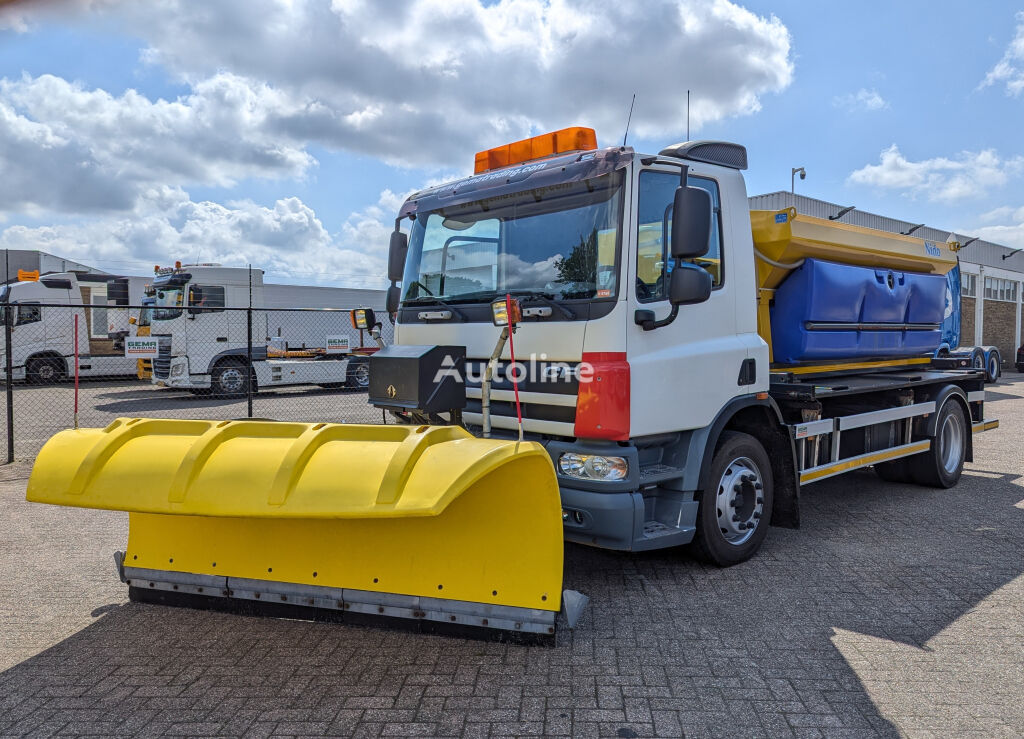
x=162, y=363
x=547, y=394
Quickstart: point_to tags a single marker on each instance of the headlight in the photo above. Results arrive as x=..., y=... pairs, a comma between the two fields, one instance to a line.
x=177, y=369
x=592, y=466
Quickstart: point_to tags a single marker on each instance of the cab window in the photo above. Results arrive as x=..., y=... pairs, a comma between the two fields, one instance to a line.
x=205, y=299
x=654, y=219
x=28, y=313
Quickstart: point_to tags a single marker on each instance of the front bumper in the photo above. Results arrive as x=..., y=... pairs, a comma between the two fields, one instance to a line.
x=628, y=515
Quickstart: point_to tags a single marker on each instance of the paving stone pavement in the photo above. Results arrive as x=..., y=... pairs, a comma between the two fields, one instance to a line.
x=893, y=610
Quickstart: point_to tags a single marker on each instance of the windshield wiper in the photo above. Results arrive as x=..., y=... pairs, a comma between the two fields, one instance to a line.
x=547, y=299
x=431, y=300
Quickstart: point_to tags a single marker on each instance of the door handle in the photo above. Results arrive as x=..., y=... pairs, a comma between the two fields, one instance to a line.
x=222, y=338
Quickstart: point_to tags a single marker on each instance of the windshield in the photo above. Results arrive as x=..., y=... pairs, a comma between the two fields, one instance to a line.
x=168, y=303
x=559, y=241
x=145, y=313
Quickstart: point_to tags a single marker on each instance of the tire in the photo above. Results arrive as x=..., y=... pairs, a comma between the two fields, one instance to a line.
x=45, y=371
x=942, y=464
x=739, y=485
x=229, y=380
x=992, y=366
x=358, y=374
x=897, y=470
x=977, y=358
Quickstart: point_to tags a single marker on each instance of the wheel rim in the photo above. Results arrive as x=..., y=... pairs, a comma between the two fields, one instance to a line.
x=979, y=361
x=46, y=372
x=740, y=500
x=951, y=441
x=231, y=380
x=362, y=374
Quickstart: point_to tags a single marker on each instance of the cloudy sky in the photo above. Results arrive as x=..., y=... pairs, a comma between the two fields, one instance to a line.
x=285, y=133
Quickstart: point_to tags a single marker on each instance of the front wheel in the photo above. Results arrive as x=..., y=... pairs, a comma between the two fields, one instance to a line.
x=45, y=371
x=736, y=506
x=942, y=464
x=229, y=380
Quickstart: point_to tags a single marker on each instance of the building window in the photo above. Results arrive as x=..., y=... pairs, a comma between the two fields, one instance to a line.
x=997, y=288
x=968, y=285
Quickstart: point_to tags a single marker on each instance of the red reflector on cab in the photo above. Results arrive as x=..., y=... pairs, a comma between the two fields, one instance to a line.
x=576, y=138
x=602, y=405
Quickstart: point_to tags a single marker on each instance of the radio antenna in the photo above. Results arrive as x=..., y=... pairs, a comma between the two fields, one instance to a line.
x=628, y=119
x=687, y=115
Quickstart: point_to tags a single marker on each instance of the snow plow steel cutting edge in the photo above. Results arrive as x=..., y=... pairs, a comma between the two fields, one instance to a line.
x=437, y=526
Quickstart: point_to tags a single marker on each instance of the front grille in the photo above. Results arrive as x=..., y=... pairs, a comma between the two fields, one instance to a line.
x=162, y=363
x=556, y=379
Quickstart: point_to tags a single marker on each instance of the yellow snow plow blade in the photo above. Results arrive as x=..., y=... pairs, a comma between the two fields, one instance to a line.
x=424, y=522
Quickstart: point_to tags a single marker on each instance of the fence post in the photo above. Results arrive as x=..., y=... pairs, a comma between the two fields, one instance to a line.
x=8, y=385
x=248, y=348
x=76, y=368
x=9, y=362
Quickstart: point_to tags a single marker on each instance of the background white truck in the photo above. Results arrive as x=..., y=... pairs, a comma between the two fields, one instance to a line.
x=200, y=321
x=43, y=328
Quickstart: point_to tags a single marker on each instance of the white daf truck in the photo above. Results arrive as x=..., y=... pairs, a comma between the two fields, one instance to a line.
x=199, y=320
x=689, y=364
x=43, y=328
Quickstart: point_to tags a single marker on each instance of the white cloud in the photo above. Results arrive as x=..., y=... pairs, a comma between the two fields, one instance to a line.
x=421, y=83
x=428, y=82
x=287, y=240
x=863, y=99
x=68, y=149
x=1005, y=225
x=1010, y=69
x=1002, y=213
x=968, y=175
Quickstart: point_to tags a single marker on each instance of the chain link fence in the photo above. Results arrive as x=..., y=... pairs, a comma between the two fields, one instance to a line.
x=64, y=365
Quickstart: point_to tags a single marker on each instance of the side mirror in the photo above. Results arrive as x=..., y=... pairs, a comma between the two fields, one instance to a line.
x=392, y=298
x=396, y=255
x=691, y=223
x=689, y=284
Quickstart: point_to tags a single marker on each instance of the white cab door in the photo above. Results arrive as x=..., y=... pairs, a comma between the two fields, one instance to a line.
x=682, y=374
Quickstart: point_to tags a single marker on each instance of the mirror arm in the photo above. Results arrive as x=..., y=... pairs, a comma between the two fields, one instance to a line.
x=645, y=319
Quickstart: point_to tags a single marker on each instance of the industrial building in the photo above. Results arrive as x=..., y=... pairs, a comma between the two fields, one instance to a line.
x=991, y=273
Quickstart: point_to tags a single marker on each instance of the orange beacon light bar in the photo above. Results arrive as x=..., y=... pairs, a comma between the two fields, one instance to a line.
x=576, y=138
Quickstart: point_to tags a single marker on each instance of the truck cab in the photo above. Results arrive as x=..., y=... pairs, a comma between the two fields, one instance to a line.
x=644, y=349
x=44, y=310
x=200, y=341
x=210, y=342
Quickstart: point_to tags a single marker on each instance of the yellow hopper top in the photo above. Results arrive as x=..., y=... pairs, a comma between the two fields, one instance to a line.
x=785, y=237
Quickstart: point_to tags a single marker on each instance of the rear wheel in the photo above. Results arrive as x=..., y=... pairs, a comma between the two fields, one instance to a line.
x=942, y=464
x=45, y=370
x=977, y=358
x=358, y=375
x=992, y=366
x=229, y=380
x=736, y=506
